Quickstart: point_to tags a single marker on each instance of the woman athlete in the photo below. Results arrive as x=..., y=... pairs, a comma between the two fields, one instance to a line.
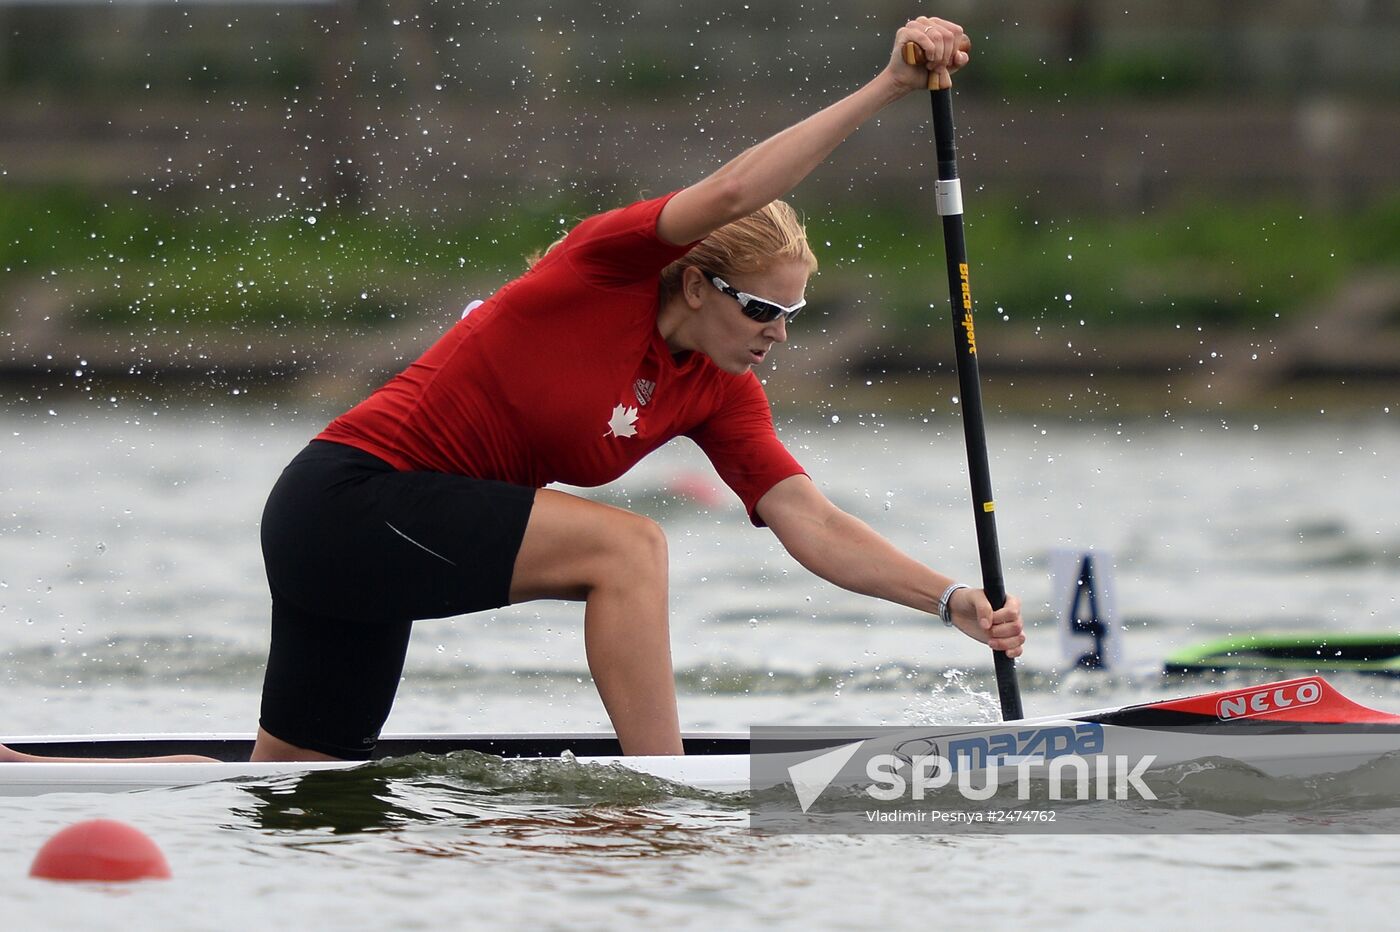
x=642, y=324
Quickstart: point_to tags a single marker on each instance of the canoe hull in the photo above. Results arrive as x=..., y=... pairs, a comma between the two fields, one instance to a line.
x=729, y=772
x=1293, y=728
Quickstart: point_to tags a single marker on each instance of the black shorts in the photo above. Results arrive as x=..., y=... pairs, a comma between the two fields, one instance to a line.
x=355, y=552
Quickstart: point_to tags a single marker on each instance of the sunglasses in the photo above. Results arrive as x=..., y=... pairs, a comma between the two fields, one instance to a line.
x=756, y=308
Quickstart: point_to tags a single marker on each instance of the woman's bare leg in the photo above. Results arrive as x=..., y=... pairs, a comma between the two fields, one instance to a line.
x=269, y=748
x=616, y=561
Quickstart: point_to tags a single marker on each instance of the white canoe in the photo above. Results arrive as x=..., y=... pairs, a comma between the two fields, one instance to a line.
x=716, y=762
x=1261, y=726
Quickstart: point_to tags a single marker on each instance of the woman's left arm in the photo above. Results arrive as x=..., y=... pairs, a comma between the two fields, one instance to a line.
x=847, y=552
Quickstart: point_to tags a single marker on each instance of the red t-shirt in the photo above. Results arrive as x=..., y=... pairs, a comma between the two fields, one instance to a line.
x=562, y=376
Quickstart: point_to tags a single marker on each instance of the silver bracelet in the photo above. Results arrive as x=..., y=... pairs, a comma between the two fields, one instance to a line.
x=945, y=607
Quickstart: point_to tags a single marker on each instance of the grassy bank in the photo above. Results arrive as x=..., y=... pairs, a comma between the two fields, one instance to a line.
x=1225, y=263
x=123, y=262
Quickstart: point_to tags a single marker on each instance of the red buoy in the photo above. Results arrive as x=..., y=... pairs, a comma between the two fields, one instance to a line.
x=101, y=849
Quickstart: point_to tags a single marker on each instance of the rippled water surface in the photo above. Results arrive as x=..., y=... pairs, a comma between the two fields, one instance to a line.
x=131, y=600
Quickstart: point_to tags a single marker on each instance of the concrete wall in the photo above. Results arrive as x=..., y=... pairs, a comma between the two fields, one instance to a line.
x=414, y=106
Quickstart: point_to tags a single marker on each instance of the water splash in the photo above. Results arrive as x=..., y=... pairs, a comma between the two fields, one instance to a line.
x=955, y=700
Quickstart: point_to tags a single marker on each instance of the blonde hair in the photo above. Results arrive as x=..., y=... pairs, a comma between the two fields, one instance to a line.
x=773, y=233
x=533, y=259
x=750, y=244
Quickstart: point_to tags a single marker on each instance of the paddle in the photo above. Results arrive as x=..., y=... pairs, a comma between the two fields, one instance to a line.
x=949, y=198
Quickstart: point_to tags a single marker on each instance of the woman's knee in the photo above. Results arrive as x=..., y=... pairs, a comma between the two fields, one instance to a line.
x=645, y=548
x=631, y=551
x=573, y=546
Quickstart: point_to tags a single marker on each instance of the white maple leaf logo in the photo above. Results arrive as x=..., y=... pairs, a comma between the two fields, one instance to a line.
x=623, y=422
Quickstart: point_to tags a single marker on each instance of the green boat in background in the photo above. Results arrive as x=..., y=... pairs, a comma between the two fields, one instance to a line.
x=1313, y=653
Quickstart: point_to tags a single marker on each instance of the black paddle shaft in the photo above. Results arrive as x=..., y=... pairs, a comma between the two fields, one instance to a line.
x=949, y=196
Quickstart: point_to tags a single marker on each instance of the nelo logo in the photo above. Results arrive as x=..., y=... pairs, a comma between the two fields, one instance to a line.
x=1268, y=701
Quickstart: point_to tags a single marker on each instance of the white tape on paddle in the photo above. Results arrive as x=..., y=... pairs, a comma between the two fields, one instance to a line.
x=949, y=197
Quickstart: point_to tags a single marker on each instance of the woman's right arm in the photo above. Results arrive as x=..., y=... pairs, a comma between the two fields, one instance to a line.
x=774, y=167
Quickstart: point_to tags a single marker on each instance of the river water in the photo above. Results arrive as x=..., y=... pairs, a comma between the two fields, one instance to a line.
x=132, y=600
